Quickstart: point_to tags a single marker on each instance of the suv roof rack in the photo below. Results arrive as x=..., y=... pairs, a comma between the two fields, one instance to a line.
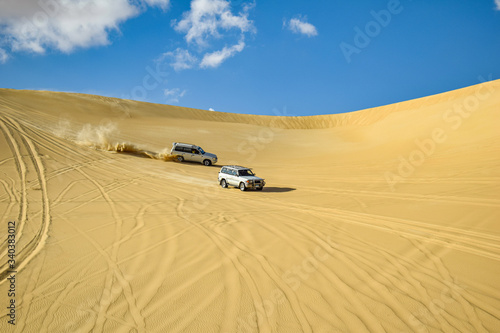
x=185, y=144
x=236, y=167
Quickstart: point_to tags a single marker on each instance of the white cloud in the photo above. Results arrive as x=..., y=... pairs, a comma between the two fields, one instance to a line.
x=210, y=109
x=299, y=26
x=163, y=4
x=207, y=17
x=181, y=59
x=209, y=20
x=174, y=95
x=497, y=2
x=3, y=56
x=216, y=58
x=64, y=25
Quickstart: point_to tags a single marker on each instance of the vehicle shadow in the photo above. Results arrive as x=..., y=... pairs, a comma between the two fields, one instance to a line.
x=278, y=189
x=212, y=166
x=198, y=164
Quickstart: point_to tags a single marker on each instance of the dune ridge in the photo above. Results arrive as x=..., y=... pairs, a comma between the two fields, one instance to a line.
x=127, y=108
x=380, y=220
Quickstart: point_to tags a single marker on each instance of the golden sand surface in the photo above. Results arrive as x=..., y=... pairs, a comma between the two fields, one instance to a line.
x=381, y=220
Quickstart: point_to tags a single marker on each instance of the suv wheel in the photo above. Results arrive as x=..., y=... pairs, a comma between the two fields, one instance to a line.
x=180, y=158
x=207, y=162
x=223, y=183
x=242, y=186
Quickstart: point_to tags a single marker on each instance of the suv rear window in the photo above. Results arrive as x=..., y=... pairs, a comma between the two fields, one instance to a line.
x=182, y=149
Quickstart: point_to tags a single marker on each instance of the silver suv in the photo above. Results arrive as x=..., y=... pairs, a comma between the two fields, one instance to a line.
x=240, y=177
x=192, y=153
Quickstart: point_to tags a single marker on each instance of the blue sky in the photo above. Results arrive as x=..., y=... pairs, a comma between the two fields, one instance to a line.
x=259, y=57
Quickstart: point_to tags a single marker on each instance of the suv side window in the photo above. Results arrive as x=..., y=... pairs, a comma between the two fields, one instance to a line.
x=194, y=151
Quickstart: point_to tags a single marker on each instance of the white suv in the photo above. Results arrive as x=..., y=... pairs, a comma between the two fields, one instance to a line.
x=192, y=153
x=240, y=177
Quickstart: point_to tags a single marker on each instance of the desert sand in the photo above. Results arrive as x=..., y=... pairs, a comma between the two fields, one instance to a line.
x=380, y=220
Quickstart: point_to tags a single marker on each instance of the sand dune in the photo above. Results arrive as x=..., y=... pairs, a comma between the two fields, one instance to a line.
x=381, y=220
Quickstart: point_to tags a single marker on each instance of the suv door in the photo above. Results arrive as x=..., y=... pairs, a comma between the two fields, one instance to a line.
x=195, y=155
x=231, y=177
x=180, y=150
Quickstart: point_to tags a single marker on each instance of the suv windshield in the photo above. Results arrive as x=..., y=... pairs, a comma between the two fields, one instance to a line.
x=201, y=150
x=246, y=172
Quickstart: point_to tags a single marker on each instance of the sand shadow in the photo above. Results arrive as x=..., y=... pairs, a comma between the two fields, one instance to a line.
x=197, y=164
x=272, y=189
x=269, y=189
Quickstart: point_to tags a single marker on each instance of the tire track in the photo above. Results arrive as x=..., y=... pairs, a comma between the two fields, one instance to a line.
x=271, y=273
x=376, y=181
x=114, y=270
x=442, y=286
x=124, y=285
x=464, y=243
x=330, y=212
x=45, y=210
x=232, y=286
x=233, y=257
x=13, y=194
x=27, y=297
x=11, y=204
x=137, y=253
x=47, y=285
x=35, y=246
x=49, y=282
x=413, y=197
x=170, y=239
x=21, y=168
x=181, y=288
x=5, y=160
x=432, y=233
x=362, y=313
x=404, y=275
x=472, y=316
x=380, y=282
x=182, y=323
x=51, y=311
